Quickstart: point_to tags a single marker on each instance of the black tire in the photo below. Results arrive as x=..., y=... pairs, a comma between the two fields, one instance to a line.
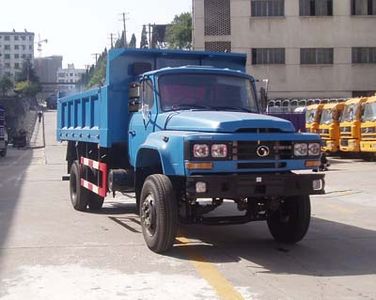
x=158, y=212
x=289, y=224
x=78, y=194
x=95, y=202
x=3, y=153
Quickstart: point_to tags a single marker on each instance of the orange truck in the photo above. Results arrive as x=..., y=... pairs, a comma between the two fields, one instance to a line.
x=313, y=116
x=329, y=126
x=350, y=125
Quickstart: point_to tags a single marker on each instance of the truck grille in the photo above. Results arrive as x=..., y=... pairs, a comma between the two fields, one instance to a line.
x=253, y=150
x=344, y=143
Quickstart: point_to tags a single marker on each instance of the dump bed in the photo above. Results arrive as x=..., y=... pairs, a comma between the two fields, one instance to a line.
x=101, y=115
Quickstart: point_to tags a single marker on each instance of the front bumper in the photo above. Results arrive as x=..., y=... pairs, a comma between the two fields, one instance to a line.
x=260, y=185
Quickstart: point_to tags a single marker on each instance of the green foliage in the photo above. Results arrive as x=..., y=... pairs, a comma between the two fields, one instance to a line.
x=98, y=73
x=6, y=84
x=179, y=33
x=27, y=72
x=27, y=88
x=132, y=43
x=144, y=39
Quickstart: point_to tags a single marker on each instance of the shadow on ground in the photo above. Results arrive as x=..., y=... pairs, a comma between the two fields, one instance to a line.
x=329, y=249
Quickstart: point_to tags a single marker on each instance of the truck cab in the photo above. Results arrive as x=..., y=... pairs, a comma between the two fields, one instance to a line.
x=350, y=125
x=184, y=131
x=368, y=126
x=329, y=126
x=313, y=116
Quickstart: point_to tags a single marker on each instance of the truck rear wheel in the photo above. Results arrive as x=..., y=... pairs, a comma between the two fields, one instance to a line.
x=78, y=194
x=95, y=201
x=290, y=222
x=3, y=153
x=158, y=211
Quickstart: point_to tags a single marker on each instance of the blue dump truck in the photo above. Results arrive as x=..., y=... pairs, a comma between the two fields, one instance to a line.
x=3, y=133
x=184, y=132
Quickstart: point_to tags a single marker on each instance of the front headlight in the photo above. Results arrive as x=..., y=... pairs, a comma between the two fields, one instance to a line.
x=200, y=150
x=314, y=149
x=219, y=150
x=300, y=149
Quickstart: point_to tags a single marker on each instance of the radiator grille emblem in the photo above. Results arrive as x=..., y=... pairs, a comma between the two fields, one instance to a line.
x=263, y=151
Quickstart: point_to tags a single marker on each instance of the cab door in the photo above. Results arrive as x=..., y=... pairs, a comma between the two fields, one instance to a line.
x=142, y=122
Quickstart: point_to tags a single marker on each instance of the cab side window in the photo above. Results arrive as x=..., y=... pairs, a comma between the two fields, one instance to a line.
x=147, y=93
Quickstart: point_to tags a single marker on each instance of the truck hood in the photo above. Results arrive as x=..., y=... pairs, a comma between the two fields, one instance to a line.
x=215, y=121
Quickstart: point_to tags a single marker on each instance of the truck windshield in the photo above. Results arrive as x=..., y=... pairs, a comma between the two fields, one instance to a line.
x=206, y=91
x=369, y=112
x=349, y=113
x=327, y=116
x=311, y=116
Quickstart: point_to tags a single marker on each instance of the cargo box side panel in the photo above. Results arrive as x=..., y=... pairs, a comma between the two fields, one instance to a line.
x=79, y=117
x=116, y=116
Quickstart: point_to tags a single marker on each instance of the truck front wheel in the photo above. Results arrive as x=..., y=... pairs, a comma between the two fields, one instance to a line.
x=290, y=222
x=78, y=194
x=158, y=211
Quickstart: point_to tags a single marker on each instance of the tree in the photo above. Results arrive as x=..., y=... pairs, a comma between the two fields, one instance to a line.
x=179, y=33
x=6, y=84
x=132, y=43
x=144, y=39
x=27, y=72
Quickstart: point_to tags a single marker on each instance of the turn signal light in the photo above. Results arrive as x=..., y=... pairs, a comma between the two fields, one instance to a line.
x=199, y=165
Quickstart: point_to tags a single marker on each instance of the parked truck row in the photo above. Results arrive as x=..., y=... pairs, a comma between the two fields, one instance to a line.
x=184, y=131
x=349, y=127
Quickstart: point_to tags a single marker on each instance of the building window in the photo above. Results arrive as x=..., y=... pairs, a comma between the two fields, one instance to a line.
x=30, y=47
x=7, y=38
x=315, y=56
x=16, y=65
x=316, y=7
x=267, y=8
x=6, y=56
x=6, y=47
x=16, y=47
x=23, y=37
x=363, y=55
x=218, y=46
x=16, y=56
x=23, y=56
x=268, y=56
x=7, y=65
x=217, y=17
x=30, y=38
x=16, y=37
x=363, y=7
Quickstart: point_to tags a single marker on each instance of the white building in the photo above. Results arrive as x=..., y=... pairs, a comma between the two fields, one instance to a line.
x=15, y=48
x=69, y=77
x=306, y=48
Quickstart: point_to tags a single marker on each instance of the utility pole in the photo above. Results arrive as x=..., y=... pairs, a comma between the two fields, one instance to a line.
x=125, y=18
x=96, y=57
x=149, y=35
x=112, y=40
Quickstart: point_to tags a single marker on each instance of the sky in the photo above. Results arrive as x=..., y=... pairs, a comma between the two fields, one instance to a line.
x=76, y=29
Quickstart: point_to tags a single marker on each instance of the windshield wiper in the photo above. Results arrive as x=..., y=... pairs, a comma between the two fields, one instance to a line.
x=233, y=108
x=189, y=106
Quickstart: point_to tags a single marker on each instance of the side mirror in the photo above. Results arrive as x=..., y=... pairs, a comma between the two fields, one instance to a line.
x=134, y=95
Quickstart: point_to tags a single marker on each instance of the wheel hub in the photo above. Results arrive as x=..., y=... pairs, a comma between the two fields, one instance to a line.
x=148, y=217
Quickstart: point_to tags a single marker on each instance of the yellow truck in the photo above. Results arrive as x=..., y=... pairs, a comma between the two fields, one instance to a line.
x=313, y=116
x=368, y=127
x=329, y=126
x=350, y=125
